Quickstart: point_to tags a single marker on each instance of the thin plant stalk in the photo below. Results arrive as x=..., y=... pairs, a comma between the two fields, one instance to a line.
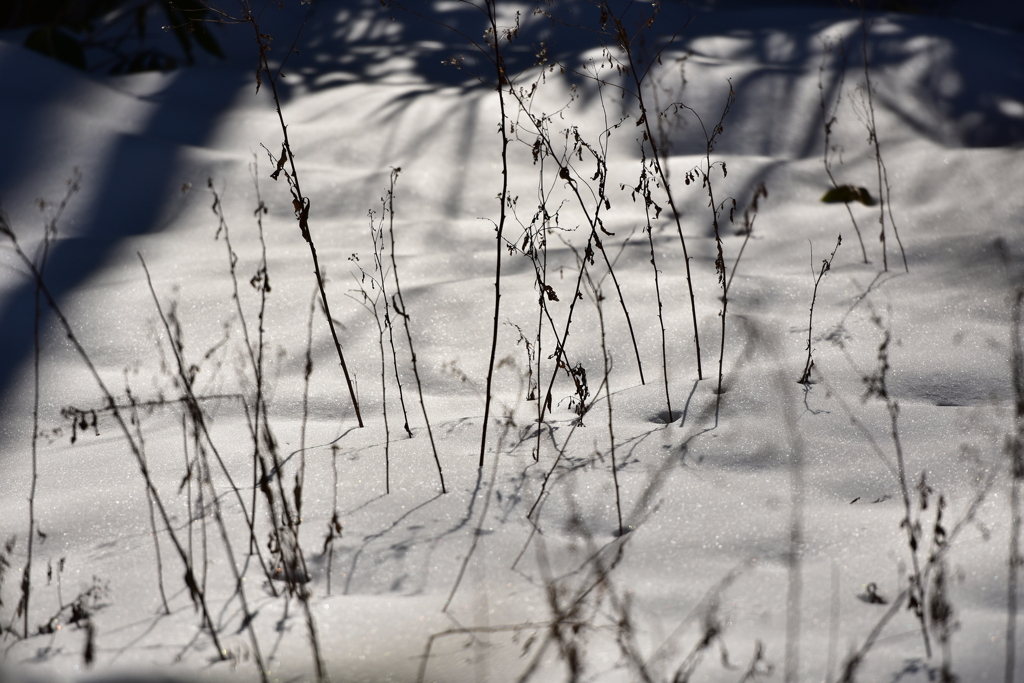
x=300, y=202
x=608, y=398
x=542, y=296
x=398, y=303
x=826, y=265
x=384, y=405
x=203, y=475
x=26, y=577
x=716, y=209
x=195, y=411
x=660, y=165
x=307, y=373
x=749, y=216
x=560, y=340
x=296, y=569
x=248, y=616
x=536, y=245
x=137, y=421
x=595, y=290
x=884, y=200
x=1016, y=453
x=594, y=221
x=371, y=304
x=290, y=550
x=187, y=485
x=544, y=146
x=255, y=356
x=334, y=527
x=644, y=187
x=293, y=560
x=535, y=248
x=49, y=233
x=830, y=118
x=502, y=81
x=377, y=235
x=261, y=282
x=377, y=283
x=877, y=386
x=748, y=227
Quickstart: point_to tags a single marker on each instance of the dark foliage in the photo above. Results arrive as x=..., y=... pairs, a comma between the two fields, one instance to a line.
x=111, y=35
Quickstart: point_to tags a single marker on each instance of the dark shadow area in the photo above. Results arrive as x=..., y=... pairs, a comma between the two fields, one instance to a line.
x=140, y=177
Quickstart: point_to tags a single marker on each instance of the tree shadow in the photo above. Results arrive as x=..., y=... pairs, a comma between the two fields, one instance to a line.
x=959, y=95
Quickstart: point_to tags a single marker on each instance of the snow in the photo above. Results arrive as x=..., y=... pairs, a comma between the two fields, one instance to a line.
x=709, y=499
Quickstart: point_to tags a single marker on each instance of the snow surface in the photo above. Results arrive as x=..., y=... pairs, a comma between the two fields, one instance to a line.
x=710, y=498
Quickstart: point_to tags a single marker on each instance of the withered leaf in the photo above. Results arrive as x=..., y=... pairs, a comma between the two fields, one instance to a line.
x=280, y=164
x=847, y=194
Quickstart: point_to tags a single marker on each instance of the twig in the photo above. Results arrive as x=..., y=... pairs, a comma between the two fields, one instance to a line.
x=370, y=304
x=660, y=165
x=49, y=234
x=398, y=303
x=186, y=377
x=137, y=421
x=826, y=265
x=334, y=526
x=611, y=431
x=307, y=373
x=248, y=616
x=830, y=119
x=300, y=202
x=494, y=44
x=594, y=222
x=606, y=362
x=255, y=356
x=884, y=200
x=876, y=386
x=749, y=216
x=716, y=209
x=644, y=189
x=1016, y=453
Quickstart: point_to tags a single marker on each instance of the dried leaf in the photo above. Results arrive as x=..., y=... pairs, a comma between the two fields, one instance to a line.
x=847, y=194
